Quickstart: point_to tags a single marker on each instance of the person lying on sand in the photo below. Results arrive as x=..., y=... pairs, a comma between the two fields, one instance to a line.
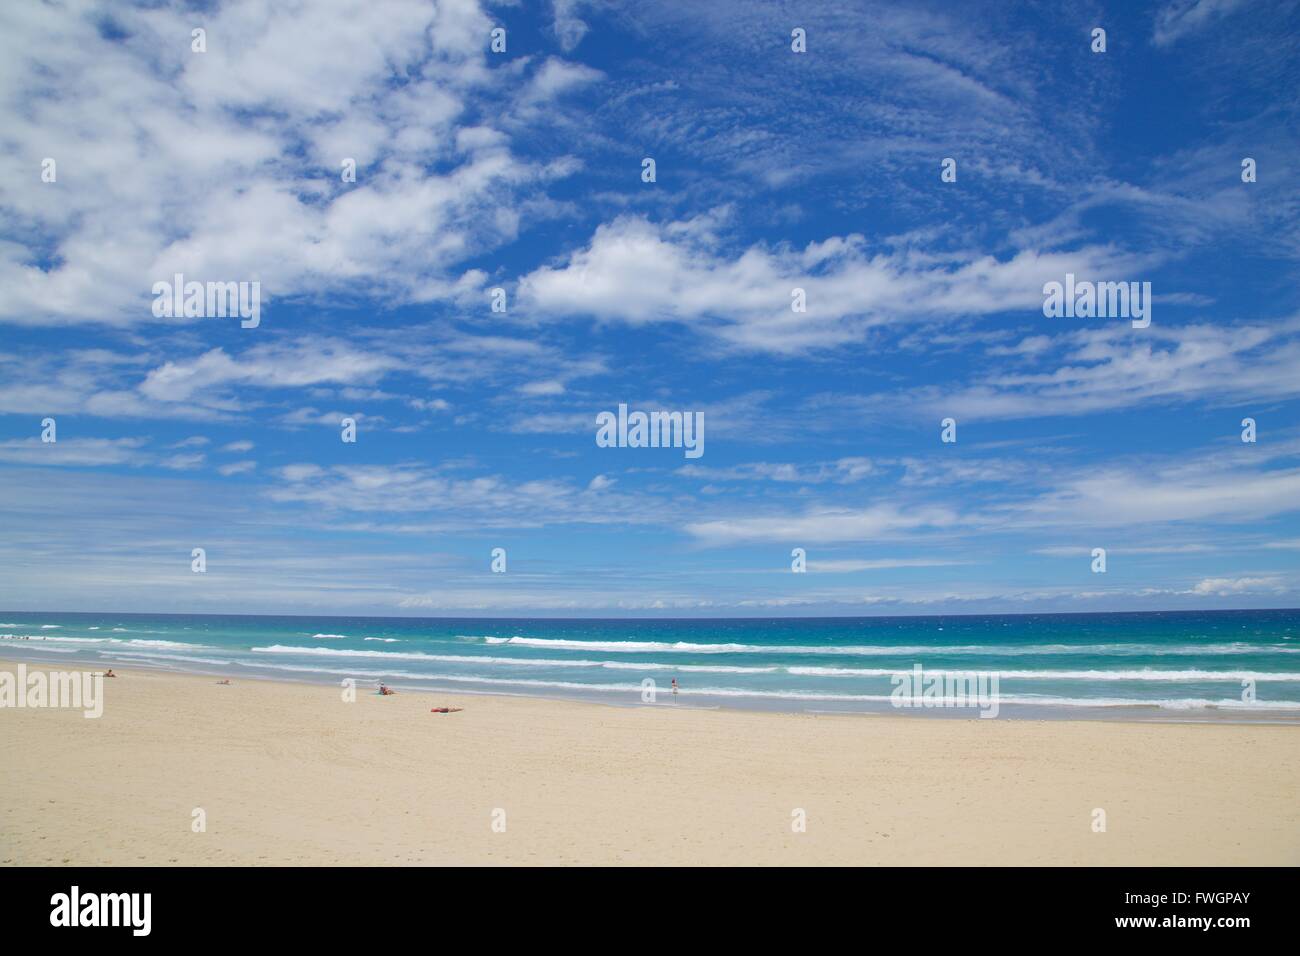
x=446, y=710
x=226, y=681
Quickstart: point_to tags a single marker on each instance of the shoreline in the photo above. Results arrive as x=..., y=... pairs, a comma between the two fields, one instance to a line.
x=690, y=699
x=288, y=773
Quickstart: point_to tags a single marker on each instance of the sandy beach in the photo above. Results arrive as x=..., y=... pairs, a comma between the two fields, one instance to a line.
x=291, y=774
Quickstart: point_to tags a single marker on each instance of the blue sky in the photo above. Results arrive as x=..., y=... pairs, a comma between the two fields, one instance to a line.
x=522, y=171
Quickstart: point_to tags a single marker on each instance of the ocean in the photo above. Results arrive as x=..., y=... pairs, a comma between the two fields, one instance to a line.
x=1234, y=665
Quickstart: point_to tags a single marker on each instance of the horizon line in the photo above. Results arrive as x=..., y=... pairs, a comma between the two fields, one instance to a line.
x=808, y=617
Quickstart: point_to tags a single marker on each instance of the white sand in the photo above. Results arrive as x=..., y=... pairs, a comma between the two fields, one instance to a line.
x=289, y=773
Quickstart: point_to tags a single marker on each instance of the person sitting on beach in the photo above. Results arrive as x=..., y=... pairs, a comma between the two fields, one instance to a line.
x=386, y=691
x=109, y=673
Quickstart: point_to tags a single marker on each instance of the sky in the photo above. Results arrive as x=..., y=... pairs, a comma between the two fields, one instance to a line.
x=524, y=171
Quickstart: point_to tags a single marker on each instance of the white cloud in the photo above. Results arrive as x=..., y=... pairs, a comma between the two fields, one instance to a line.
x=184, y=462
x=878, y=564
x=556, y=77
x=1183, y=17
x=1226, y=586
x=1123, y=497
x=637, y=272
x=73, y=451
x=314, y=416
x=822, y=525
x=1084, y=551
x=568, y=24
x=300, y=472
x=842, y=471
x=264, y=366
x=174, y=161
x=1112, y=366
x=415, y=499
x=429, y=404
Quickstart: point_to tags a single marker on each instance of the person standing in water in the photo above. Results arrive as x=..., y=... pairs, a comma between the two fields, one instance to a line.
x=674, y=686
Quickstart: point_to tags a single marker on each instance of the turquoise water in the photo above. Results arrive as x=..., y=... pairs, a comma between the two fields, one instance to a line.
x=1167, y=664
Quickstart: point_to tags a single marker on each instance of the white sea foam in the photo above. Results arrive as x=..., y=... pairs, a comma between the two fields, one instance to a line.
x=331, y=652
x=687, y=668
x=187, y=658
x=129, y=642
x=331, y=637
x=887, y=650
x=629, y=647
x=510, y=661
x=1100, y=675
x=73, y=640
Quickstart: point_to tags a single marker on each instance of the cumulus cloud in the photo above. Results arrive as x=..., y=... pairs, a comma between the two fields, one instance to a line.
x=225, y=165
x=638, y=272
x=556, y=77
x=265, y=366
